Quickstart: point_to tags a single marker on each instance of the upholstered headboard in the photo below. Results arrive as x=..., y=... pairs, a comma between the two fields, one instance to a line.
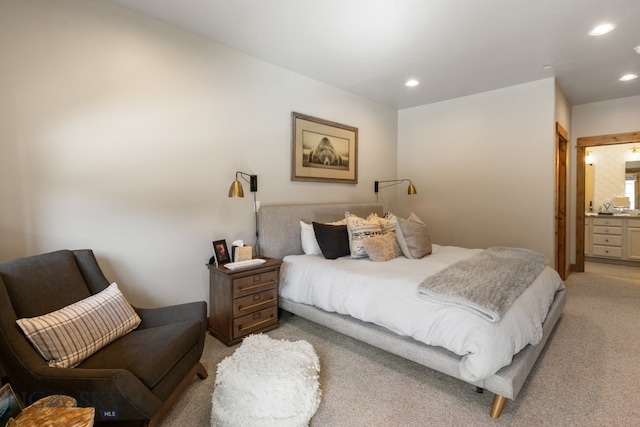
x=279, y=225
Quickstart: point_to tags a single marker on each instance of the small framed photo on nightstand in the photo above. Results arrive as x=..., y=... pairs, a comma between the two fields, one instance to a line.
x=220, y=252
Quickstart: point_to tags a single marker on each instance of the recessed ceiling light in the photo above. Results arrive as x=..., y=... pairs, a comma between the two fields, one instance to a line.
x=412, y=83
x=628, y=77
x=637, y=50
x=602, y=29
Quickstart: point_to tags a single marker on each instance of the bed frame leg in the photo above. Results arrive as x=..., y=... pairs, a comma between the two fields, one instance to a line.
x=498, y=404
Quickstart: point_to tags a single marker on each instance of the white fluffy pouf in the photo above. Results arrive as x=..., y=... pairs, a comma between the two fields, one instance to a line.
x=267, y=382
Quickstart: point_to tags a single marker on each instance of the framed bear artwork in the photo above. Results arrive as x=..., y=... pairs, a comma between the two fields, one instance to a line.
x=323, y=151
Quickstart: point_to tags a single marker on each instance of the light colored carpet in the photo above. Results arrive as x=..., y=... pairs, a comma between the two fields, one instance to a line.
x=588, y=375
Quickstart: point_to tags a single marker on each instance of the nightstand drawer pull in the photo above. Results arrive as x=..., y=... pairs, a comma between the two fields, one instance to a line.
x=258, y=304
x=253, y=325
x=260, y=285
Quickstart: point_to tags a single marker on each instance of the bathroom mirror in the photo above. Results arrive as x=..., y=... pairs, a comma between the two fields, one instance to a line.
x=612, y=171
x=631, y=181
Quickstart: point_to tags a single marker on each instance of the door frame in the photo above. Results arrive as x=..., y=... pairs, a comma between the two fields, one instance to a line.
x=582, y=144
x=562, y=161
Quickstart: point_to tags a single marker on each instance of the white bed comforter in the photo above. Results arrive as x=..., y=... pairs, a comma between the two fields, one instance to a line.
x=385, y=293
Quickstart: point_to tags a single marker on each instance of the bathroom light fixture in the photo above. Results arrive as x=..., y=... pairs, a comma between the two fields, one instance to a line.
x=236, y=189
x=628, y=77
x=588, y=159
x=411, y=190
x=602, y=29
x=412, y=83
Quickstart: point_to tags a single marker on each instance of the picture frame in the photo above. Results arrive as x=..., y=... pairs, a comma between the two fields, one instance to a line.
x=323, y=151
x=10, y=405
x=220, y=252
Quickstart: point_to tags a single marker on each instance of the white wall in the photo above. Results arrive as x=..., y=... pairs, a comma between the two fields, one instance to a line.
x=563, y=117
x=484, y=167
x=607, y=117
x=601, y=118
x=122, y=134
x=563, y=108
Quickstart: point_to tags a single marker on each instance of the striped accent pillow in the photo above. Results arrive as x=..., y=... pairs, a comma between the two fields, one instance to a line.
x=360, y=229
x=66, y=337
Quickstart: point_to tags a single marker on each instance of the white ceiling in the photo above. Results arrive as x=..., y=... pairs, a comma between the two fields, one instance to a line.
x=454, y=47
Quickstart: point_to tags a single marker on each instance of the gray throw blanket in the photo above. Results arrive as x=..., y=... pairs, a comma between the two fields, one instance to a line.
x=485, y=284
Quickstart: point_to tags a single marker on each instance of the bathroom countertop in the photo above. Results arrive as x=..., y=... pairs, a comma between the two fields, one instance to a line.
x=596, y=215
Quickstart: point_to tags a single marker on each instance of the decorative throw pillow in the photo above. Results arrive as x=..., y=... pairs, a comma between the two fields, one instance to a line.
x=393, y=219
x=308, y=237
x=332, y=239
x=360, y=229
x=382, y=248
x=386, y=226
x=66, y=337
x=412, y=236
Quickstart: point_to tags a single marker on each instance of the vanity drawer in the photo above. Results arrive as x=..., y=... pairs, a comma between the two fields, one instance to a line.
x=607, y=251
x=607, y=240
x=615, y=222
x=599, y=229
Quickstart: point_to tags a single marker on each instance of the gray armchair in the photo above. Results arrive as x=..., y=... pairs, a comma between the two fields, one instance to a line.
x=133, y=380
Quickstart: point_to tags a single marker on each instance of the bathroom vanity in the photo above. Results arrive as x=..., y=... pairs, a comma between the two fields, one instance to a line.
x=612, y=238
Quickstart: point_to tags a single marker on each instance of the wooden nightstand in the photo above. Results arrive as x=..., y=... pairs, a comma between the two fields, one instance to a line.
x=243, y=301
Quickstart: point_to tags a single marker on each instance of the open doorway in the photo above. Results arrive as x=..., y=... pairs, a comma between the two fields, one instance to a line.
x=581, y=145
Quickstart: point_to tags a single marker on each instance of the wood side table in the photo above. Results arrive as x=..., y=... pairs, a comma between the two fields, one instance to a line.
x=243, y=301
x=55, y=411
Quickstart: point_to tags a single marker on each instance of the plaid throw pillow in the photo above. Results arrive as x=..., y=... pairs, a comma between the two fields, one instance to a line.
x=66, y=337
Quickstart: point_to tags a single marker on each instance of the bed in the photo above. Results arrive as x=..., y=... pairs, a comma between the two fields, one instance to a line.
x=280, y=237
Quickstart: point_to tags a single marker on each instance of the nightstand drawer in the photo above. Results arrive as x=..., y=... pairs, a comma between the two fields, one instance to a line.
x=600, y=239
x=258, y=301
x=255, y=283
x=246, y=324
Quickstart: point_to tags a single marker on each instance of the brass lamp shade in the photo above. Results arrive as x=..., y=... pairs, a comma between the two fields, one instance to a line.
x=412, y=189
x=379, y=185
x=236, y=189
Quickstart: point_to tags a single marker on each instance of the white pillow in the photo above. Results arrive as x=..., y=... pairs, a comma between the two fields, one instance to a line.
x=66, y=337
x=308, y=239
